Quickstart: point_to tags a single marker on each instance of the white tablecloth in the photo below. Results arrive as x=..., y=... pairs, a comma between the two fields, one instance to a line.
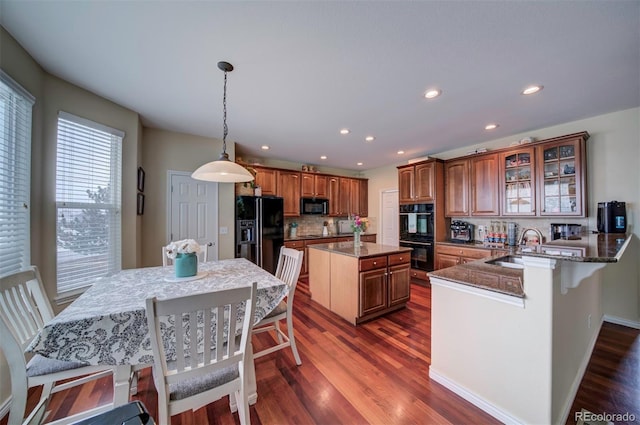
x=107, y=325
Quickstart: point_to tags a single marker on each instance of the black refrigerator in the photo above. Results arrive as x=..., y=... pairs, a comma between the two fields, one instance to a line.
x=260, y=230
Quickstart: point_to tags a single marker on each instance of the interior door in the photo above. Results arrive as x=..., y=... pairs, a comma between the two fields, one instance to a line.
x=193, y=211
x=390, y=214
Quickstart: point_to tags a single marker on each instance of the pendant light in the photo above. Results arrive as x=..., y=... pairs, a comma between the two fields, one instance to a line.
x=223, y=170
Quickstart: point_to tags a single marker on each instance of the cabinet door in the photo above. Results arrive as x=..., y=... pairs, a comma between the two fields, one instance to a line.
x=445, y=260
x=399, y=284
x=456, y=175
x=373, y=291
x=484, y=186
x=425, y=182
x=267, y=179
x=561, y=172
x=344, y=207
x=363, y=197
x=405, y=185
x=307, y=185
x=289, y=189
x=321, y=186
x=517, y=174
x=354, y=196
x=334, y=196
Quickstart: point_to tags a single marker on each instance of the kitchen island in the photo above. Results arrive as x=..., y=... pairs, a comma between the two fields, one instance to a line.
x=519, y=352
x=359, y=283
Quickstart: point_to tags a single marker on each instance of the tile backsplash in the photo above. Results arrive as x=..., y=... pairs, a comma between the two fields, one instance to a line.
x=312, y=225
x=542, y=224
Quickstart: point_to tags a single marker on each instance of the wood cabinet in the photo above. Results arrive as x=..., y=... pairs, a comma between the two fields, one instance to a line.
x=359, y=289
x=333, y=187
x=267, y=180
x=344, y=198
x=484, y=185
x=314, y=185
x=363, y=198
x=456, y=183
x=517, y=182
x=450, y=255
x=562, y=177
x=417, y=182
x=471, y=187
x=289, y=189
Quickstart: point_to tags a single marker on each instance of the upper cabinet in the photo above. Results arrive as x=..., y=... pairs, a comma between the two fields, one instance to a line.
x=561, y=167
x=484, y=185
x=545, y=178
x=314, y=185
x=517, y=174
x=417, y=182
x=289, y=189
x=333, y=185
x=267, y=180
x=471, y=187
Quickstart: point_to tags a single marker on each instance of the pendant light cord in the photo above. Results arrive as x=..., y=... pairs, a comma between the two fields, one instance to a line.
x=224, y=115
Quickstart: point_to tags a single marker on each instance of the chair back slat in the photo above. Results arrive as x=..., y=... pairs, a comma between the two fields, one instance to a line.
x=206, y=337
x=220, y=335
x=289, y=266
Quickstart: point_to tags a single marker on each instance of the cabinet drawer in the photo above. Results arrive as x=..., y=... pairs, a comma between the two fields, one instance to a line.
x=401, y=258
x=318, y=241
x=463, y=251
x=419, y=274
x=294, y=244
x=373, y=263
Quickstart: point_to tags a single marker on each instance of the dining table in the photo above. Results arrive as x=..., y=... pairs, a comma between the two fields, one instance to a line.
x=107, y=324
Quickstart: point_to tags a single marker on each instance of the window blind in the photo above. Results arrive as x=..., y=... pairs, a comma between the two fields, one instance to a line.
x=88, y=202
x=15, y=175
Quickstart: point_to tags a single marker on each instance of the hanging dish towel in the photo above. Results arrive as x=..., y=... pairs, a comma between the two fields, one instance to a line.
x=412, y=223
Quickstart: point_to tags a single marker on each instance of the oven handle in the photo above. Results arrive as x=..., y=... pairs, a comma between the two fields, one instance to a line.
x=417, y=243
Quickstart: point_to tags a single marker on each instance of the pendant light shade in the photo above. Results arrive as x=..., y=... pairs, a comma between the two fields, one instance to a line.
x=223, y=170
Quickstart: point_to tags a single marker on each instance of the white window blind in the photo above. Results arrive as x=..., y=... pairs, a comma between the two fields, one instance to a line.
x=15, y=175
x=88, y=202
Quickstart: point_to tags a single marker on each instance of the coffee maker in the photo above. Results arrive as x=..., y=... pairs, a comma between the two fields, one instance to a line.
x=612, y=217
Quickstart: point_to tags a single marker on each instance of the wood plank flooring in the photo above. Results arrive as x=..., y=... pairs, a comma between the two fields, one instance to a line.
x=375, y=373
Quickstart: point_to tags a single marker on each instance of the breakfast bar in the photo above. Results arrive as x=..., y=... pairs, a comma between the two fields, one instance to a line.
x=519, y=350
x=362, y=282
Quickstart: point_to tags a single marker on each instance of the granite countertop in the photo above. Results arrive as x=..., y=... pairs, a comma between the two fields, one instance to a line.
x=330, y=236
x=598, y=247
x=368, y=249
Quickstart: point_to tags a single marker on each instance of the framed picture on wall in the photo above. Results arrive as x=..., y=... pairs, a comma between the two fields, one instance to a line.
x=140, y=179
x=140, y=208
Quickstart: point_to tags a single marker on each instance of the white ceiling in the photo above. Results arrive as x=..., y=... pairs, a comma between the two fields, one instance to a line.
x=304, y=70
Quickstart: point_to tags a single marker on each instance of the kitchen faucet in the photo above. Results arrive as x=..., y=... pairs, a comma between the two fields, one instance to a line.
x=524, y=233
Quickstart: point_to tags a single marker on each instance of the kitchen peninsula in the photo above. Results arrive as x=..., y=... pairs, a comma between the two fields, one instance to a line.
x=519, y=352
x=359, y=283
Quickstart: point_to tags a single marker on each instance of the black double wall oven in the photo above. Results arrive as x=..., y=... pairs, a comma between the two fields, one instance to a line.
x=416, y=231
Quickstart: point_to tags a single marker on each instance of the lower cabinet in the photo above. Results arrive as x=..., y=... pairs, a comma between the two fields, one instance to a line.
x=385, y=284
x=449, y=255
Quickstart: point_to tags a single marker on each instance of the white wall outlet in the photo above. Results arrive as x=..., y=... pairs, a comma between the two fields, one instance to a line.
x=224, y=230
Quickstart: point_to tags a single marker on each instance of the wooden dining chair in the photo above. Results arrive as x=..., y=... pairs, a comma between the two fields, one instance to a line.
x=203, y=255
x=194, y=365
x=24, y=309
x=288, y=270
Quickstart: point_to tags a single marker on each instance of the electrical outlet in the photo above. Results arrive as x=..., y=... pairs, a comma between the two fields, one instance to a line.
x=589, y=322
x=224, y=230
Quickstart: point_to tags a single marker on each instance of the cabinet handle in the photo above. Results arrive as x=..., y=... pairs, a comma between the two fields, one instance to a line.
x=375, y=263
x=390, y=273
x=400, y=258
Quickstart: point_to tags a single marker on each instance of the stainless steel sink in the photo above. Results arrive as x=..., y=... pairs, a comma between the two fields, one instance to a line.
x=510, y=261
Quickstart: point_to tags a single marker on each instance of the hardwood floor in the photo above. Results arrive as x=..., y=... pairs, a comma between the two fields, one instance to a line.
x=375, y=373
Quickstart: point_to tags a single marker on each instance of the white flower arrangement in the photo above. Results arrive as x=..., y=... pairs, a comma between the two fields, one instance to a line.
x=185, y=246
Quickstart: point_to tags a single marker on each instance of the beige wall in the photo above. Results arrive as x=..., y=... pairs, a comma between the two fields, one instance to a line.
x=612, y=172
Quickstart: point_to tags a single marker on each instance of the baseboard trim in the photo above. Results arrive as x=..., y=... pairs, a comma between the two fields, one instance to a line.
x=573, y=391
x=620, y=321
x=473, y=398
x=5, y=407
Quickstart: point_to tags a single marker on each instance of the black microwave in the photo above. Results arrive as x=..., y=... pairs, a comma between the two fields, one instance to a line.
x=314, y=206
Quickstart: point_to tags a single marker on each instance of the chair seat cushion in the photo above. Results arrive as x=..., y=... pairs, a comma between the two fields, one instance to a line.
x=280, y=308
x=185, y=389
x=40, y=365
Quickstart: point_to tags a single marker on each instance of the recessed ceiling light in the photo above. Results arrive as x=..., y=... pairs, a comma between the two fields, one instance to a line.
x=491, y=126
x=345, y=131
x=265, y=147
x=323, y=157
x=359, y=163
x=431, y=93
x=369, y=138
x=400, y=152
x=532, y=89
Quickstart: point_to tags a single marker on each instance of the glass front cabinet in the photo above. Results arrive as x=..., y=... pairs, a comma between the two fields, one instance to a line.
x=562, y=175
x=518, y=182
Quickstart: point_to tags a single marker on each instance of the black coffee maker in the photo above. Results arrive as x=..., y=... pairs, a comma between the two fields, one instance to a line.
x=612, y=217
